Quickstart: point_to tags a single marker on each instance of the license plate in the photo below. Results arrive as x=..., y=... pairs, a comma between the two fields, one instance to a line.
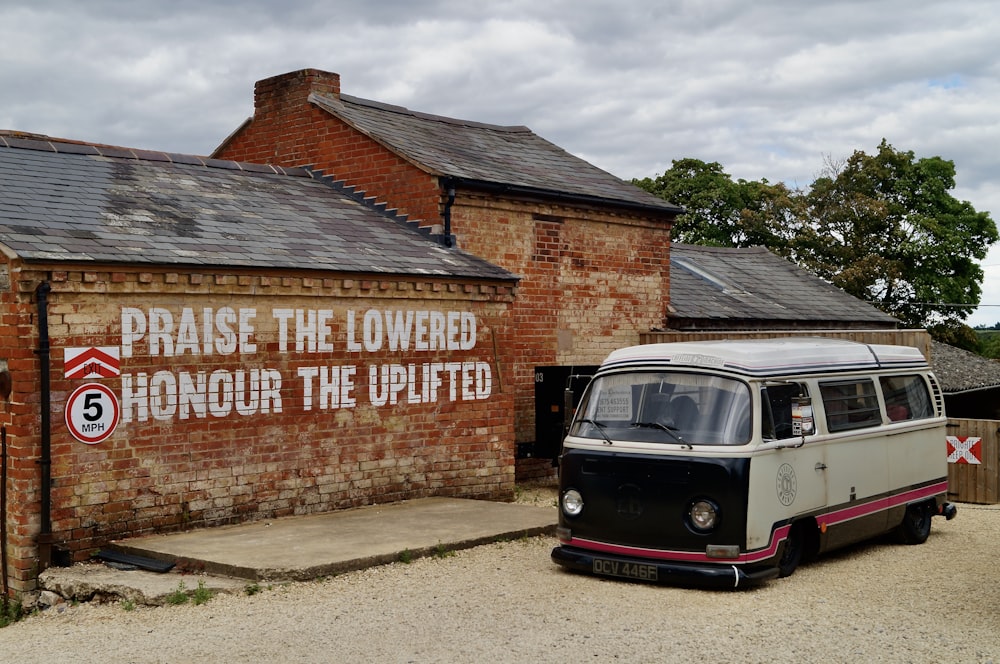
x=624, y=569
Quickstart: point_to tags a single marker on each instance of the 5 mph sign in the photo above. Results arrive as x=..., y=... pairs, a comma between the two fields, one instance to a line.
x=92, y=413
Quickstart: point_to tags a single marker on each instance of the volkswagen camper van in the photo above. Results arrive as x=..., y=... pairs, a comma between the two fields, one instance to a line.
x=725, y=463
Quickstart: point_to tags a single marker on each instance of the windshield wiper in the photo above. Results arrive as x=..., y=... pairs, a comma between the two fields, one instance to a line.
x=600, y=428
x=663, y=427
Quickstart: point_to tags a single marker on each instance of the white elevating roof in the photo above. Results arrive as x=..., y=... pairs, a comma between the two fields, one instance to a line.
x=768, y=357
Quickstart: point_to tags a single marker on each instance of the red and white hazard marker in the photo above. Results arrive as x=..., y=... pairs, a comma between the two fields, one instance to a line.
x=92, y=413
x=966, y=449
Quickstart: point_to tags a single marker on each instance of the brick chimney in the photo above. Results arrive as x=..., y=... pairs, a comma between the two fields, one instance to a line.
x=287, y=91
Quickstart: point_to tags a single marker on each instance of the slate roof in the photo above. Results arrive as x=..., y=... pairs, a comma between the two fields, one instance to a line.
x=81, y=203
x=753, y=284
x=960, y=371
x=511, y=157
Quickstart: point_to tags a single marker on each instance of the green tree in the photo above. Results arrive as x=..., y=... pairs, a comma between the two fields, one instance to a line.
x=990, y=346
x=722, y=212
x=882, y=227
x=885, y=228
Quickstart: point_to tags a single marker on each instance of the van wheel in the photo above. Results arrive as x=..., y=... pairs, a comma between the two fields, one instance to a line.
x=916, y=525
x=792, y=555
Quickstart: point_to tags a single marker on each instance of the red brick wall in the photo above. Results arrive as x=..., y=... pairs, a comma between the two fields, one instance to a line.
x=591, y=282
x=287, y=130
x=592, y=279
x=190, y=453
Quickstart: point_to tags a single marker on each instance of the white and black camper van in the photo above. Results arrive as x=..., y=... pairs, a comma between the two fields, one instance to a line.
x=725, y=463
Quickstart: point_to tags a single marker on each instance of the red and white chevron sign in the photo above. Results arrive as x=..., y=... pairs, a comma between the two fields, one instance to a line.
x=964, y=450
x=99, y=362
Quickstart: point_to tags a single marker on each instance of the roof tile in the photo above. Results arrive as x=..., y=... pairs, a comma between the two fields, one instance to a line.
x=113, y=205
x=716, y=283
x=488, y=154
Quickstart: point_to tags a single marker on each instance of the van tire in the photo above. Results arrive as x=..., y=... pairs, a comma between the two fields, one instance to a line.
x=916, y=525
x=792, y=554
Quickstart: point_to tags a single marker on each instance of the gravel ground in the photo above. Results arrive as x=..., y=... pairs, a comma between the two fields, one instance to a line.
x=879, y=602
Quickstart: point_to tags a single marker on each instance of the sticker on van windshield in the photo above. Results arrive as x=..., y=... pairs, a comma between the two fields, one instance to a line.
x=698, y=359
x=615, y=404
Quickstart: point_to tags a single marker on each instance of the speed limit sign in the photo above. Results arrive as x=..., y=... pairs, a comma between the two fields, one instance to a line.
x=92, y=413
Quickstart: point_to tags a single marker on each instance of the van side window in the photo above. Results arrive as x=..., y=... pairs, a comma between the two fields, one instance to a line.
x=906, y=398
x=776, y=415
x=850, y=404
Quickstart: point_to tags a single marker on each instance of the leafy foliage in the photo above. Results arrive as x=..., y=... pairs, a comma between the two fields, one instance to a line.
x=721, y=212
x=989, y=342
x=885, y=229
x=882, y=227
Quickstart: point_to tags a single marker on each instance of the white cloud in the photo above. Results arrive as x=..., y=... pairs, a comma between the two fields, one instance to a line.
x=767, y=88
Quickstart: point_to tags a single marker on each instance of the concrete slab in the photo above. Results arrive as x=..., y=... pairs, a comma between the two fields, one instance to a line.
x=299, y=548
x=96, y=582
x=307, y=547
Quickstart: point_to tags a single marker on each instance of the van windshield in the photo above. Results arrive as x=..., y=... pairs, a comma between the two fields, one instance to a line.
x=665, y=407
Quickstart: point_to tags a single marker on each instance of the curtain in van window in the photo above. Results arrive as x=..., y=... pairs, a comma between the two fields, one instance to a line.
x=906, y=397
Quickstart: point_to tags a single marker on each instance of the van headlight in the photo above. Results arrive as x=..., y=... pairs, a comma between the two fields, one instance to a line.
x=703, y=515
x=572, y=503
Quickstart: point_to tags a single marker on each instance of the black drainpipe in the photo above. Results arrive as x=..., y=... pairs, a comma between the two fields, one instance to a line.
x=450, y=186
x=45, y=460
x=3, y=517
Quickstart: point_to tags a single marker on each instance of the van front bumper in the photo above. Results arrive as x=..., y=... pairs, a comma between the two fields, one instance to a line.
x=657, y=571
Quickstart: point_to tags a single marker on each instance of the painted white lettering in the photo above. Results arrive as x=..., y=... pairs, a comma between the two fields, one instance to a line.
x=246, y=331
x=397, y=329
x=220, y=393
x=484, y=381
x=324, y=331
x=187, y=333
x=305, y=330
x=162, y=395
x=467, y=341
x=161, y=326
x=191, y=395
x=467, y=381
x=307, y=374
x=412, y=395
x=135, y=394
x=225, y=332
x=347, y=398
x=372, y=332
x=133, y=329
x=282, y=316
x=452, y=337
x=167, y=395
x=270, y=391
x=247, y=400
x=420, y=331
x=352, y=345
x=437, y=332
x=453, y=369
x=225, y=342
x=378, y=391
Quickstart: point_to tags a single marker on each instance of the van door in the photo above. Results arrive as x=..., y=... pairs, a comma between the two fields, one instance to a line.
x=790, y=480
x=857, y=459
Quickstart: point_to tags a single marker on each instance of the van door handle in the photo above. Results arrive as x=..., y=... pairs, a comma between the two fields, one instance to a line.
x=820, y=465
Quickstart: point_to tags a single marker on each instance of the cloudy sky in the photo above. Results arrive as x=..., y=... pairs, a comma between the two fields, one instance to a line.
x=769, y=89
